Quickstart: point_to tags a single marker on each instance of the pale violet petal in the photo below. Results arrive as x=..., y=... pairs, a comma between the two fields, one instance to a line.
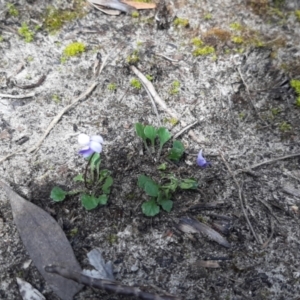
x=83, y=139
x=86, y=152
x=95, y=146
x=97, y=138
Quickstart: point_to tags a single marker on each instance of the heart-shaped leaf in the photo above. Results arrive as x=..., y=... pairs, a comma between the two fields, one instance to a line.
x=150, y=133
x=163, y=135
x=89, y=202
x=150, y=208
x=139, y=129
x=58, y=194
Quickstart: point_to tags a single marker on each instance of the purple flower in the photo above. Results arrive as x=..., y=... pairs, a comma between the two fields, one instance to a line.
x=90, y=144
x=201, y=161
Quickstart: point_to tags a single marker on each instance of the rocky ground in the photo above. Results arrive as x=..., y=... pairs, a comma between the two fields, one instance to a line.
x=236, y=85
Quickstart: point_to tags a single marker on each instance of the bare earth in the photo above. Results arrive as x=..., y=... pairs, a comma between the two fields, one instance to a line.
x=241, y=97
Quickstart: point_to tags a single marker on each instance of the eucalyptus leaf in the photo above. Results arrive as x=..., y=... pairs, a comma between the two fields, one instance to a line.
x=150, y=208
x=45, y=243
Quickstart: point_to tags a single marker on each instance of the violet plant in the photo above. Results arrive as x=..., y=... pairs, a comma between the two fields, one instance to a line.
x=161, y=194
x=97, y=182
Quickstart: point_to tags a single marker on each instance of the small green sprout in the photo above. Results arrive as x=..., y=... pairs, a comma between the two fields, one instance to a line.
x=206, y=50
x=56, y=98
x=26, y=33
x=135, y=83
x=208, y=16
x=297, y=14
x=161, y=194
x=275, y=111
x=242, y=115
x=236, y=26
x=12, y=11
x=1, y=38
x=237, y=39
x=295, y=84
x=30, y=58
x=284, y=127
x=175, y=87
x=172, y=121
x=112, y=87
x=197, y=42
x=149, y=77
x=135, y=14
x=74, y=49
x=133, y=58
x=181, y=22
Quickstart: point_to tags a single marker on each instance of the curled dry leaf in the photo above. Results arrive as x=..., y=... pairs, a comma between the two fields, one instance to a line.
x=113, y=4
x=45, y=242
x=190, y=225
x=140, y=5
x=28, y=292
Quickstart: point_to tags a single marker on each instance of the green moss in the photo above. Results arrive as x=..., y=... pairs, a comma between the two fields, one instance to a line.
x=135, y=14
x=56, y=18
x=236, y=26
x=26, y=33
x=284, y=127
x=112, y=87
x=149, y=77
x=73, y=232
x=295, y=84
x=12, y=11
x=297, y=14
x=135, y=83
x=172, y=121
x=197, y=42
x=242, y=115
x=56, y=98
x=181, y=22
x=175, y=87
x=1, y=38
x=208, y=17
x=237, y=39
x=275, y=111
x=74, y=49
x=206, y=50
x=30, y=58
x=133, y=58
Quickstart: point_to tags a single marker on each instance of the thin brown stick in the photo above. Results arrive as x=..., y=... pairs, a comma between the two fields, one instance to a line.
x=33, y=85
x=269, y=161
x=160, y=102
x=240, y=197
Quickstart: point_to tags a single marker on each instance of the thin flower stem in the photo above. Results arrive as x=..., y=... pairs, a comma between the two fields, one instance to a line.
x=85, y=172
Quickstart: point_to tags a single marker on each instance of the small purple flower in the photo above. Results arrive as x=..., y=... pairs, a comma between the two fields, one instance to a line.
x=90, y=144
x=201, y=161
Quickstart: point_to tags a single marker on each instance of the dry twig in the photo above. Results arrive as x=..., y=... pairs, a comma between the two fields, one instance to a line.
x=241, y=199
x=17, y=96
x=160, y=102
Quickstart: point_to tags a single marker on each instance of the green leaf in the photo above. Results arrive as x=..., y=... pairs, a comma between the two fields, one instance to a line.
x=150, y=133
x=177, y=151
x=172, y=185
x=150, y=208
x=151, y=189
x=89, y=202
x=139, y=129
x=58, y=194
x=79, y=177
x=167, y=205
x=102, y=200
x=163, y=135
x=95, y=162
x=107, y=184
x=188, y=183
x=162, y=167
x=142, y=179
x=103, y=174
